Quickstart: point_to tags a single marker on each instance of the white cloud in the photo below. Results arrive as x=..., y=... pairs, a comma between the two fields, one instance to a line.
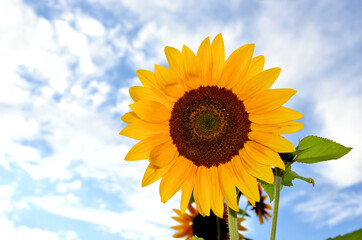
x=154, y=221
x=13, y=231
x=331, y=208
x=47, y=51
x=341, y=116
x=10, y=231
x=71, y=186
x=22, y=232
x=91, y=27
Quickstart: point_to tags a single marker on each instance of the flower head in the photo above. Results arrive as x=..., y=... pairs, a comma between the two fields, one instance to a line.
x=261, y=207
x=209, y=126
x=203, y=226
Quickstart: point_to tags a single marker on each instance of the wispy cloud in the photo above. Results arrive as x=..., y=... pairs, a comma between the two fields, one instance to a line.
x=13, y=231
x=137, y=220
x=331, y=208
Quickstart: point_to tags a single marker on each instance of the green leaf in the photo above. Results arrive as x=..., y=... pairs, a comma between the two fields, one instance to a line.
x=192, y=199
x=356, y=235
x=269, y=189
x=195, y=238
x=314, y=149
x=290, y=175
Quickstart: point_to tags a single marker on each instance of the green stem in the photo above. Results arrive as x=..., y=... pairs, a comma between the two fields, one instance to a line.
x=246, y=207
x=277, y=185
x=218, y=228
x=289, y=163
x=233, y=224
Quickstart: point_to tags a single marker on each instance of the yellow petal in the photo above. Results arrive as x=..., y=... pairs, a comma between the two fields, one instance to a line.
x=175, y=178
x=203, y=189
x=174, y=59
x=191, y=209
x=217, y=200
x=279, y=115
x=218, y=58
x=178, y=212
x=192, y=68
x=255, y=67
x=254, y=168
x=204, y=47
x=169, y=81
x=204, y=57
x=227, y=184
x=186, y=231
x=187, y=190
x=151, y=111
x=244, y=182
x=278, y=129
x=147, y=78
x=138, y=93
x=198, y=203
x=268, y=100
x=163, y=154
x=184, y=218
x=260, y=82
x=130, y=117
x=140, y=130
x=175, y=91
x=178, y=227
x=275, y=142
x=289, y=127
x=165, y=76
x=153, y=173
x=253, y=151
x=236, y=66
x=142, y=149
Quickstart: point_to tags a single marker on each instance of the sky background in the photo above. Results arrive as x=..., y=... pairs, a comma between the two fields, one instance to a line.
x=66, y=67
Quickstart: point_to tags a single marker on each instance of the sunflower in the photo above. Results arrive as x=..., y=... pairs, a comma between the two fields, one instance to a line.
x=210, y=126
x=206, y=227
x=261, y=207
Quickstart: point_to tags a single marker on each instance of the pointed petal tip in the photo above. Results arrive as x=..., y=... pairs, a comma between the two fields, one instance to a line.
x=169, y=49
x=127, y=158
x=277, y=70
x=139, y=71
x=219, y=215
x=218, y=39
x=293, y=91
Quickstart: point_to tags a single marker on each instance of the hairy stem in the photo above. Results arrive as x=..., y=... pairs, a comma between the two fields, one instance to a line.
x=233, y=224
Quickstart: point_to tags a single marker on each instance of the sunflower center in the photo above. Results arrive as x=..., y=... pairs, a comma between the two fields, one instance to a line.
x=207, y=122
x=209, y=125
x=206, y=227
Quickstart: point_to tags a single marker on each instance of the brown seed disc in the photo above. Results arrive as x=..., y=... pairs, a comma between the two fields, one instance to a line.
x=209, y=125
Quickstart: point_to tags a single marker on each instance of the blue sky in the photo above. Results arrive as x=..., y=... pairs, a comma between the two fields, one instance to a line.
x=66, y=67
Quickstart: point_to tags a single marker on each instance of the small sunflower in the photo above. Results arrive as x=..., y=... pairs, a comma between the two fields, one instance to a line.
x=261, y=207
x=209, y=126
x=203, y=226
